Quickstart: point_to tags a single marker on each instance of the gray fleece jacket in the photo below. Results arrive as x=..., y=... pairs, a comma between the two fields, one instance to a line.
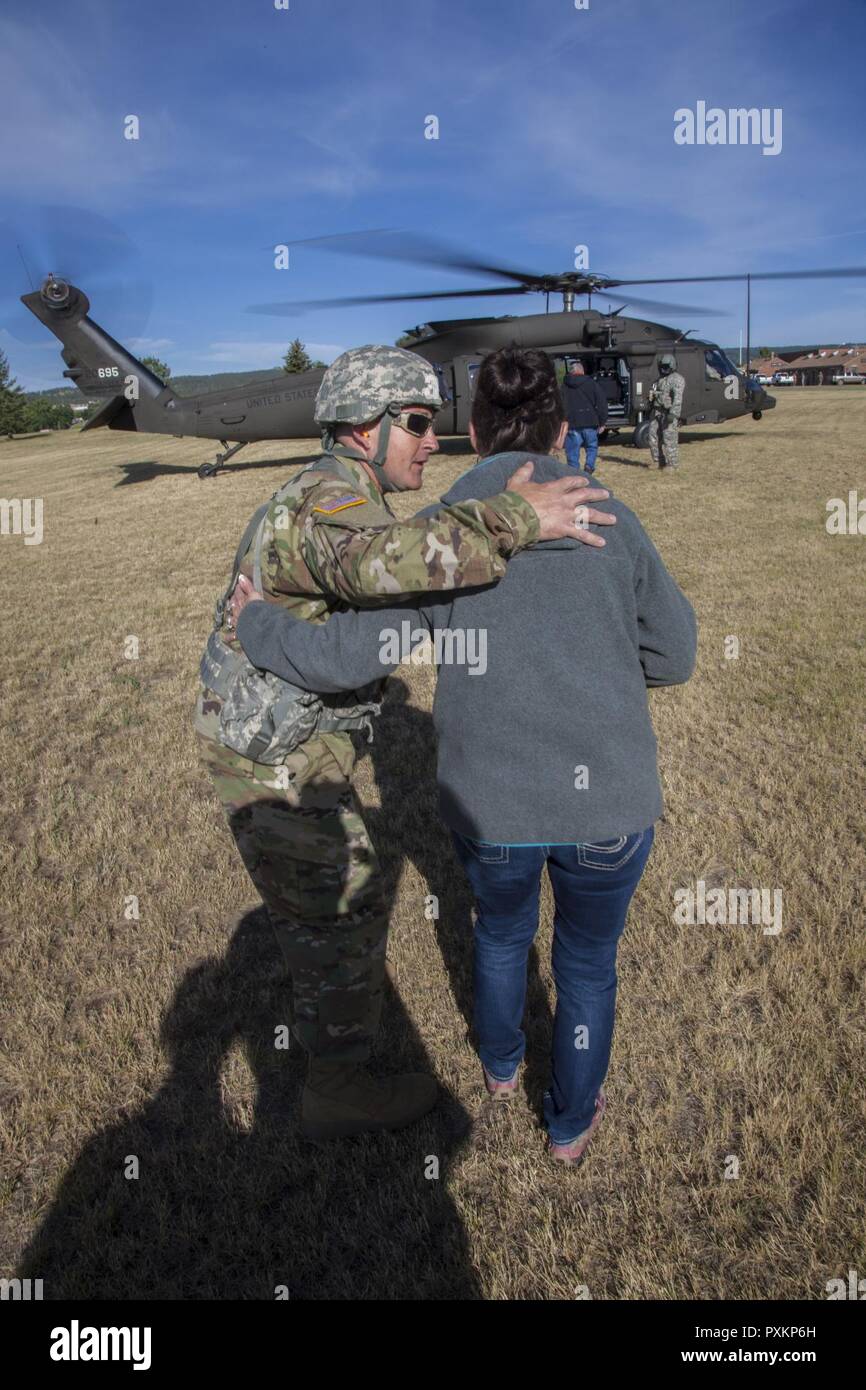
x=544, y=731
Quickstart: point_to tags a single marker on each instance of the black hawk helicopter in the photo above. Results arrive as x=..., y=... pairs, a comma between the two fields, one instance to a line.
x=620, y=352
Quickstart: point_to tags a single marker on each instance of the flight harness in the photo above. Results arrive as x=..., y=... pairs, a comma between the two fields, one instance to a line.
x=264, y=717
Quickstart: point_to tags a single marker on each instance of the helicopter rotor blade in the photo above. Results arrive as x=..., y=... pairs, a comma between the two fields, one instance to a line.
x=842, y=273
x=298, y=306
x=391, y=244
x=659, y=306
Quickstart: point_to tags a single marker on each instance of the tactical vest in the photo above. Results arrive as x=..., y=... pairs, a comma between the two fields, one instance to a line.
x=262, y=716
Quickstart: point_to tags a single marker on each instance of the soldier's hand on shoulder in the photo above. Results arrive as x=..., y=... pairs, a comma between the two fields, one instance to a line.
x=561, y=505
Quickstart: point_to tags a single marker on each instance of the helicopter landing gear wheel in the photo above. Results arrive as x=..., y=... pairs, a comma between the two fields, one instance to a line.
x=209, y=470
x=640, y=438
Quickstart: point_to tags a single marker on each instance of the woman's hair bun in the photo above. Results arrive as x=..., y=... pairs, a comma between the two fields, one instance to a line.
x=517, y=403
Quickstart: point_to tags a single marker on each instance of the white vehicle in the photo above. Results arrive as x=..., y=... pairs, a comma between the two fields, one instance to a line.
x=849, y=379
x=783, y=379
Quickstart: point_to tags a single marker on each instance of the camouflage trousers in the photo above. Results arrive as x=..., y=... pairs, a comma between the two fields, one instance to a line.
x=301, y=835
x=664, y=452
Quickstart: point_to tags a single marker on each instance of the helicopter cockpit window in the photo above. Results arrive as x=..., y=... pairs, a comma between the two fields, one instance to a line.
x=718, y=366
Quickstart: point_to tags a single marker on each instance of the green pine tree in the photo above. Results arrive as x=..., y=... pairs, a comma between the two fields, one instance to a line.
x=13, y=404
x=297, y=359
x=43, y=413
x=158, y=368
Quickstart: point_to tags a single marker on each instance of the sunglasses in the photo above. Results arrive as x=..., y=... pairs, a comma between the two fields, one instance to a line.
x=414, y=422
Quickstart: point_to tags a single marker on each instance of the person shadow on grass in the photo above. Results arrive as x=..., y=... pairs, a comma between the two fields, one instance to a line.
x=191, y=1197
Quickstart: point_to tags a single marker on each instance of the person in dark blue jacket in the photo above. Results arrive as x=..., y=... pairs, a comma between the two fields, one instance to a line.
x=585, y=406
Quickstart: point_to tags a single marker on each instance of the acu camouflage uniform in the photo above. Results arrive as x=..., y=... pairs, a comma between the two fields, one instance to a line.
x=667, y=402
x=329, y=543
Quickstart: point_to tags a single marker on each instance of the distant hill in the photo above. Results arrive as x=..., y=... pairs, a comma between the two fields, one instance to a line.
x=183, y=385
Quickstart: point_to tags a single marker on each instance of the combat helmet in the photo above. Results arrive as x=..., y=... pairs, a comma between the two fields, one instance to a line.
x=668, y=360
x=368, y=382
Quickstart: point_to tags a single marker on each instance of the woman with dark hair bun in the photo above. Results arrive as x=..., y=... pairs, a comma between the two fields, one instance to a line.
x=546, y=750
x=517, y=404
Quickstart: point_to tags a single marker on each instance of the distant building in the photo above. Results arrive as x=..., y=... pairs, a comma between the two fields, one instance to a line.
x=817, y=366
x=820, y=366
x=766, y=367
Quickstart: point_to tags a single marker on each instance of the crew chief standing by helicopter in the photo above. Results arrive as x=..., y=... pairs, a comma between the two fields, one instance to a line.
x=666, y=403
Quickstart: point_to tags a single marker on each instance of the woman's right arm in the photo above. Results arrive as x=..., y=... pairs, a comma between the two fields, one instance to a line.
x=346, y=652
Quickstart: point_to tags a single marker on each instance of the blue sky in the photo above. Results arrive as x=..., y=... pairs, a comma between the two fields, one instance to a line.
x=260, y=125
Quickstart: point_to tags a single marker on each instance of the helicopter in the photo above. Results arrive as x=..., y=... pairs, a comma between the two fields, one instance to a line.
x=619, y=351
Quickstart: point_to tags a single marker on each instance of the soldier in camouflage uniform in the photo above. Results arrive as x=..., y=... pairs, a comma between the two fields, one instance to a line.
x=330, y=540
x=666, y=403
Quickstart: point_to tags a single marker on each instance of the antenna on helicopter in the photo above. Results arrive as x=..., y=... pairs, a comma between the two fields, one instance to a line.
x=26, y=268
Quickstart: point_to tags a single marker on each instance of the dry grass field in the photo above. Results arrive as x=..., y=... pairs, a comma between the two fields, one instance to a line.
x=153, y=1039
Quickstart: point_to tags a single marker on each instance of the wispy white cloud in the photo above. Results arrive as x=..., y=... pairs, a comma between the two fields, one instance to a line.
x=150, y=344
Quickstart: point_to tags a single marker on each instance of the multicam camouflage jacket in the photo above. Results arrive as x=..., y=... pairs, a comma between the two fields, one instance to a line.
x=328, y=540
x=666, y=395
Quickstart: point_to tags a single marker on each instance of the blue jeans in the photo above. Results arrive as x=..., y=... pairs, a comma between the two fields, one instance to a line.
x=592, y=888
x=589, y=440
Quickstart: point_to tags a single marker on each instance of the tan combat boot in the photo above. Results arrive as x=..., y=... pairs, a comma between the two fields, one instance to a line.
x=340, y=1099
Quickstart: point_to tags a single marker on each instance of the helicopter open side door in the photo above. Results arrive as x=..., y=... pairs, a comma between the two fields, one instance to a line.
x=462, y=372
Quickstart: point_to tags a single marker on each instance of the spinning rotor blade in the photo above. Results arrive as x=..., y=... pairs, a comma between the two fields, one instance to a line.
x=390, y=244
x=659, y=306
x=848, y=272
x=299, y=305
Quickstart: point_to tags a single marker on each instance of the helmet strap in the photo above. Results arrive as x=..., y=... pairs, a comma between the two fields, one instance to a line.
x=376, y=464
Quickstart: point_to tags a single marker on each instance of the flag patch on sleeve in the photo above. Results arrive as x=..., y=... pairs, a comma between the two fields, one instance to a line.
x=338, y=504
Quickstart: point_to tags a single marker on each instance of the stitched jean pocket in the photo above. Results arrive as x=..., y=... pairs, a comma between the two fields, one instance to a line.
x=609, y=854
x=486, y=854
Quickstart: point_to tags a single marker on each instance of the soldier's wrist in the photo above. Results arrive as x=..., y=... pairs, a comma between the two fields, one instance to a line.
x=520, y=517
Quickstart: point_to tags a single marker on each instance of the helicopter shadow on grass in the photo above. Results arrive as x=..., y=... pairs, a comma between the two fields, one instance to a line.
x=404, y=761
x=640, y=458
x=705, y=436
x=231, y=1202
x=145, y=470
